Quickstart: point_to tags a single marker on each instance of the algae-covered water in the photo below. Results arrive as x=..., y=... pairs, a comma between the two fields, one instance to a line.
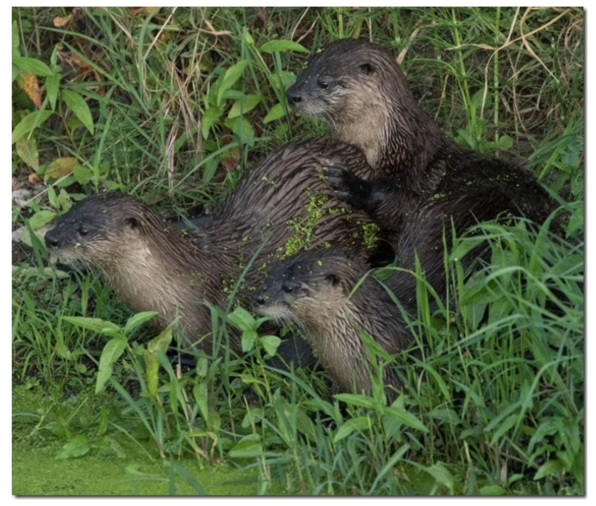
x=117, y=466
x=35, y=472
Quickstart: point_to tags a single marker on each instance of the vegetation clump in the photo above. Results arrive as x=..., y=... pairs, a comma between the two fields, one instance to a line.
x=175, y=105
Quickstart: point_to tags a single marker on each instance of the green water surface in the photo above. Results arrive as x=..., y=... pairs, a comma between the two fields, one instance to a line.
x=119, y=467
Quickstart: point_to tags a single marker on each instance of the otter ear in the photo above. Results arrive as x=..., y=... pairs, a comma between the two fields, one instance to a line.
x=332, y=279
x=367, y=68
x=131, y=222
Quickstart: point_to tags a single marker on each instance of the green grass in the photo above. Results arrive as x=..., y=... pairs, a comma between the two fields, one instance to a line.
x=173, y=106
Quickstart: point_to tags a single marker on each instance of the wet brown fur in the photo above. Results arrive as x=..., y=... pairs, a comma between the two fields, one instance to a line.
x=423, y=183
x=327, y=294
x=155, y=267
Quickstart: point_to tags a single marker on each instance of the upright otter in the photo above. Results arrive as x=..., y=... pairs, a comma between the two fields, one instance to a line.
x=325, y=292
x=282, y=205
x=423, y=181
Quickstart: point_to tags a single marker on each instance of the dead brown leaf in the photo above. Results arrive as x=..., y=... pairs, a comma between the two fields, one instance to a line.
x=30, y=85
x=60, y=167
x=231, y=159
x=60, y=22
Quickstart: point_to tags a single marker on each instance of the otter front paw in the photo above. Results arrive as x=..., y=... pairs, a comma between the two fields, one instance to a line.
x=346, y=186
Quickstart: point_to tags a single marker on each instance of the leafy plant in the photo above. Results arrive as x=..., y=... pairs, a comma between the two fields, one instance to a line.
x=173, y=104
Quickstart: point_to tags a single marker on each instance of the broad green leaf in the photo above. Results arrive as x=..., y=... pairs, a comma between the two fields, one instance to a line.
x=441, y=475
x=241, y=319
x=41, y=218
x=96, y=324
x=155, y=346
x=286, y=78
x=357, y=400
x=210, y=118
x=110, y=353
x=247, y=37
x=249, y=379
x=244, y=105
x=230, y=77
x=548, y=469
x=137, y=320
x=504, y=426
x=151, y=371
x=79, y=107
x=353, y=425
x=241, y=127
x=249, y=446
x=202, y=367
x=29, y=123
x=82, y=174
x=305, y=425
x=76, y=447
x=276, y=112
x=32, y=65
x=492, y=490
x=282, y=45
x=248, y=340
x=54, y=56
x=162, y=341
x=270, y=343
x=52, y=87
x=406, y=418
x=505, y=142
x=27, y=150
x=201, y=396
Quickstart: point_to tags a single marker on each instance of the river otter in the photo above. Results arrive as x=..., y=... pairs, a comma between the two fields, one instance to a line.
x=424, y=183
x=283, y=205
x=326, y=293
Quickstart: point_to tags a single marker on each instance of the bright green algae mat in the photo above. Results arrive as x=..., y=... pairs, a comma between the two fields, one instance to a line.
x=35, y=471
x=127, y=469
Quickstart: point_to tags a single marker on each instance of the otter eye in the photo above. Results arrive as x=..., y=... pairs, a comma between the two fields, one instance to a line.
x=82, y=230
x=367, y=68
x=323, y=83
x=287, y=288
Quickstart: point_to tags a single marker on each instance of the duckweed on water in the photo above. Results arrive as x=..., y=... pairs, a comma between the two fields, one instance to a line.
x=114, y=465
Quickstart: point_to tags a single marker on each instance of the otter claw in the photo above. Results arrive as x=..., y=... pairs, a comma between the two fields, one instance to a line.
x=343, y=196
x=325, y=162
x=342, y=180
x=337, y=179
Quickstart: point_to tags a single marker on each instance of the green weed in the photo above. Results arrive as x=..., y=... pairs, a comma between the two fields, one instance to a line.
x=174, y=104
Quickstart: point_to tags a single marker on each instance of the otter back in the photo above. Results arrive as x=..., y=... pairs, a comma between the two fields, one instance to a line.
x=424, y=186
x=280, y=207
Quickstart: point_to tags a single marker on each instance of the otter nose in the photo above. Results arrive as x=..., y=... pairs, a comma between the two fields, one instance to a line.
x=51, y=239
x=258, y=299
x=293, y=95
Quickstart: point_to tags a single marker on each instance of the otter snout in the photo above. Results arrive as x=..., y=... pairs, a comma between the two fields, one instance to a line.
x=52, y=239
x=272, y=292
x=259, y=299
x=308, y=88
x=294, y=95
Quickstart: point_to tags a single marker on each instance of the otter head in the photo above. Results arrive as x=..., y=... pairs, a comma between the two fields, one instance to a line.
x=99, y=230
x=359, y=89
x=302, y=288
x=337, y=81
